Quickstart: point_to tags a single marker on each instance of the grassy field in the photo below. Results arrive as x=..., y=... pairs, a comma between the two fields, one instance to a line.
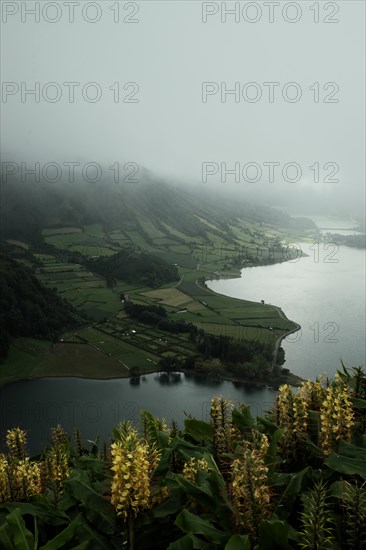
x=29, y=358
x=115, y=343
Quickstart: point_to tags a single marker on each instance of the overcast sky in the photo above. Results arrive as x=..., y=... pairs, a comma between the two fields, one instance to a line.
x=165, y=121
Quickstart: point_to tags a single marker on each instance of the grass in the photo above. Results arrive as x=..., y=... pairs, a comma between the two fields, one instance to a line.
x=129, y=348
x=30, y=358
x=99, y=350
x=168, y=296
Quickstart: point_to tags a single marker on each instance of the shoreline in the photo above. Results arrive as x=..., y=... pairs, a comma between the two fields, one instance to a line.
x=292, y=381
x=296, y=380
x=278, y=308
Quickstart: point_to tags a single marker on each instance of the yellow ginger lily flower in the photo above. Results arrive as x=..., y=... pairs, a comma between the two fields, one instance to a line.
x=224, y=433
x=191, y=468
x=5, y=494
x=133, y=463
x=336, y=417
x=249, y=485
x=16, y=441
x=57, y=466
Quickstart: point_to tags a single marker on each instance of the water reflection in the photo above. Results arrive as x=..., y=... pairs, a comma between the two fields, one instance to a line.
x=96, y=406
x=168, y=378
x=202, y=380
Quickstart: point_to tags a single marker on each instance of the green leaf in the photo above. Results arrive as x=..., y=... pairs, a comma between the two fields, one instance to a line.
x=273, y=535
x=96, y=536
x=242, y=418
x=172, y=505
x=346, y=465
x=272, y=452
x=198, y=429
x=40, y=508
x=5, y=540
x=65, y=536
x=192, y=524
x=202, y=494
x=164, y=462
x=344, y=376
x=337, y=489
x=163, y=439
x=270, y=427
x=97, y=509
x=238, y=542
x=358, y=403
x=22, y=538
x=189, y=542
x=292, y=490
x=185, y=450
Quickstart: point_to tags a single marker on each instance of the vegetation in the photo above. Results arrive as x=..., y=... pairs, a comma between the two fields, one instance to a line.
x=356, y=241
x=135, y=267
x=104, y=246
x=27, y=308
x=32, y=207
x=292, y=480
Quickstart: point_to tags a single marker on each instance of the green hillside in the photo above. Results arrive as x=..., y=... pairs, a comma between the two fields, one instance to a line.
x=153, y=244
x=27, y=308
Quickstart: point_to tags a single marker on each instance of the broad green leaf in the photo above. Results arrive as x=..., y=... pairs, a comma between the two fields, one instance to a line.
x=65, y=536
x=190, y=523
x=172, y=505
x=40, y=508
x=270, y=427
x=163, y=439
x=337, y=489
x=294, y=487
x=97, y=509
x=358, y=403
x=273, y=535
x=22, y=538
x=238, y=542
x=164, y=462
x=202, y=494
x=272, y=452
x=198, y=429
x=242, y=418
x=346, y=465
x=92, y=464
x=96, y=536
x=189, y=542
x=5, y=540
x=185, y=450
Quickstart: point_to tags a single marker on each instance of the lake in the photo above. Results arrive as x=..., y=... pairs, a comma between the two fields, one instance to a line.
x=95, y=406
x=324, y=293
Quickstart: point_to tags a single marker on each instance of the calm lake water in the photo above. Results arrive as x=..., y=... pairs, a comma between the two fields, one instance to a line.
x=96, y=406
x=324, y=293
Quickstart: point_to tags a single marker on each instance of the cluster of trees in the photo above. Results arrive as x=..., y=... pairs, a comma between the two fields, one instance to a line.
x=232, y=351
x=249, y=359
x=131, y=265
x=356, y=241
x=27, y=308
x=157, y=316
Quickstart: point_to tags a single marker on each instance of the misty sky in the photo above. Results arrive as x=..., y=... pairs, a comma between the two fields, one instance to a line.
x=169, y=52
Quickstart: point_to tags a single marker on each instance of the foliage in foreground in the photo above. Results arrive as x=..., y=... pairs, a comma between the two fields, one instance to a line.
x=294, y=479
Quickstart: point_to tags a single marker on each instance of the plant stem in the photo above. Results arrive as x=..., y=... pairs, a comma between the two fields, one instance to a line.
x=131, y=533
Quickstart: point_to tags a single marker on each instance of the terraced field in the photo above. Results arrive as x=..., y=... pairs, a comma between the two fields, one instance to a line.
x=113, y=343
